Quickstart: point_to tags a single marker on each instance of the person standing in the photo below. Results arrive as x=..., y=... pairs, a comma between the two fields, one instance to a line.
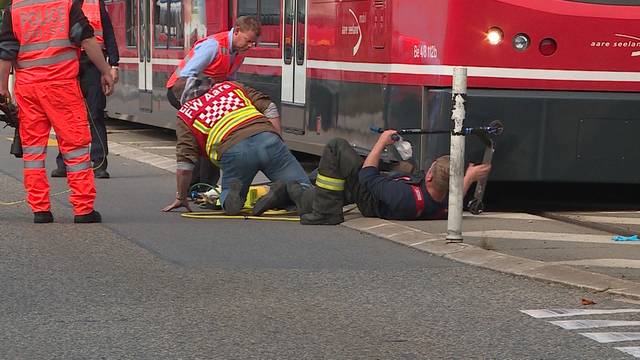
x=96, y=13
x=42, y=39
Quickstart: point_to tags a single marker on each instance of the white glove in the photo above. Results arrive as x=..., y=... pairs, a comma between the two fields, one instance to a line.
x=404, y=149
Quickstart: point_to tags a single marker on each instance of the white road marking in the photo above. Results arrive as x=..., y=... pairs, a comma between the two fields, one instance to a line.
x=136, y=154
x=613, y=263
x=607, y=219
x=549, y=313
x=506, y=216
x=631, y=350
x=159, y=147
x=403, y=233
x=615, y=212
x=607, y=337
x=145, y=142
x=375, y=226
x=589, y=324
x=535, y=235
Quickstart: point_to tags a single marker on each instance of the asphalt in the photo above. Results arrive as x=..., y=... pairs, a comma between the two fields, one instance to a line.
x=570, y=248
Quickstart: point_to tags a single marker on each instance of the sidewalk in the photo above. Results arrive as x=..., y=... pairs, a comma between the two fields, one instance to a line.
x=526, y=245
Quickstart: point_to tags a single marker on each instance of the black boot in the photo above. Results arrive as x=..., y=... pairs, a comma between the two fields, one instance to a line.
x=101, y=171
x=42, y=217
x=59, y=172
x=276, y=198
x=92, y=217
x=302, y=196
x=233, y=203
x=321, y=219
x=327, y=208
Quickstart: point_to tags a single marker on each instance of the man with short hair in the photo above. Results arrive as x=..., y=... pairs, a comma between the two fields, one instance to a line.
x=212, y=59
x=216, y=57
x=343, y=178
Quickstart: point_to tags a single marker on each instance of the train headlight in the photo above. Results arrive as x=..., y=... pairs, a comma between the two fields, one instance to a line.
x=521, y=42
x=495, y=35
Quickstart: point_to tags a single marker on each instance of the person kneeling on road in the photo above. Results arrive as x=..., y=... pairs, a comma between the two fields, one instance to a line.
x=237, y=128
x=343, y=178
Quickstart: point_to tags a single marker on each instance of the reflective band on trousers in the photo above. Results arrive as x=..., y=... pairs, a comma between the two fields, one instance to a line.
x=65, y=56
x=76, y=153
x=34, y=164
x=34, y=150
x=45, y=45
x=79, y=167
x=329, y=183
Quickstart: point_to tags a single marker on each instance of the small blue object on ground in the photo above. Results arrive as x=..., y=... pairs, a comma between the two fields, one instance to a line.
x=625, y=238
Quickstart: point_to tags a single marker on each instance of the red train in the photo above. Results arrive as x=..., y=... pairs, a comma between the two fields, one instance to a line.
x=562, y=75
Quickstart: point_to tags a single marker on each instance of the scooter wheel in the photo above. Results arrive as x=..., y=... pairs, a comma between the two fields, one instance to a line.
x=476, y=207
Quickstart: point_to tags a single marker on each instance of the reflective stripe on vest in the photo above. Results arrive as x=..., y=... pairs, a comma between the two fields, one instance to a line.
x=44, y=45
x=63, y=57
x=216, y=114
x=230, y=122
x=91, y=9
x=416, y=191
x=42, y=30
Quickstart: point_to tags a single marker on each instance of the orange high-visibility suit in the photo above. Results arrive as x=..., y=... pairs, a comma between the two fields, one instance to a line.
x=48, y=94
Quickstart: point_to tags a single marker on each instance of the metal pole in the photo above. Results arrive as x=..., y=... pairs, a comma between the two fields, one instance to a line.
x=456, y=169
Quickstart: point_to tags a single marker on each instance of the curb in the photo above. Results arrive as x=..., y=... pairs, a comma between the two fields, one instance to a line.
x=436, y=244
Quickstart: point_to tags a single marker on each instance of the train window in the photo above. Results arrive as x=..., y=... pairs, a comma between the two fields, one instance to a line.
x=268, y=12
x=288, y=31
x=131, y=23
x=247, y=7
x=300, y=32
x=168, y=24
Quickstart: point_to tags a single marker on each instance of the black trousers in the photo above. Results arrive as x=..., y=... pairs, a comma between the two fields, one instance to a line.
x=340, y=161
x=96, y=101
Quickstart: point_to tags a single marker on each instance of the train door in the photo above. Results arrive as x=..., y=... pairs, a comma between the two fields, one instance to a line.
x=161, y=44
x=143, y=47
x=294, y=65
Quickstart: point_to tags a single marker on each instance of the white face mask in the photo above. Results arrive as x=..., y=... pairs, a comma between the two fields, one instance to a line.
x=404, y=149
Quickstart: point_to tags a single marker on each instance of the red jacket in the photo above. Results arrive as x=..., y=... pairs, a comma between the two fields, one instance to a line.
x=42, y=30
x=221, y=68
x=91, y=9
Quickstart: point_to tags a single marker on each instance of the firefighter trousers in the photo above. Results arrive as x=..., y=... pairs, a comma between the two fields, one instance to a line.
x=337, y=183
x=58, y=104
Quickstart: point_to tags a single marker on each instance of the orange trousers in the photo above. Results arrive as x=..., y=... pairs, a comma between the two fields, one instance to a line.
x=58, y=104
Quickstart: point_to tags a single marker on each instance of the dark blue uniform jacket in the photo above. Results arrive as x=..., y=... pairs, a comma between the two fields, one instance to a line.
x=396, y=198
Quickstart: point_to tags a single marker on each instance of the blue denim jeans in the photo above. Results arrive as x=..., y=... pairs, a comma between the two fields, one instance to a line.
x=264, y=152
